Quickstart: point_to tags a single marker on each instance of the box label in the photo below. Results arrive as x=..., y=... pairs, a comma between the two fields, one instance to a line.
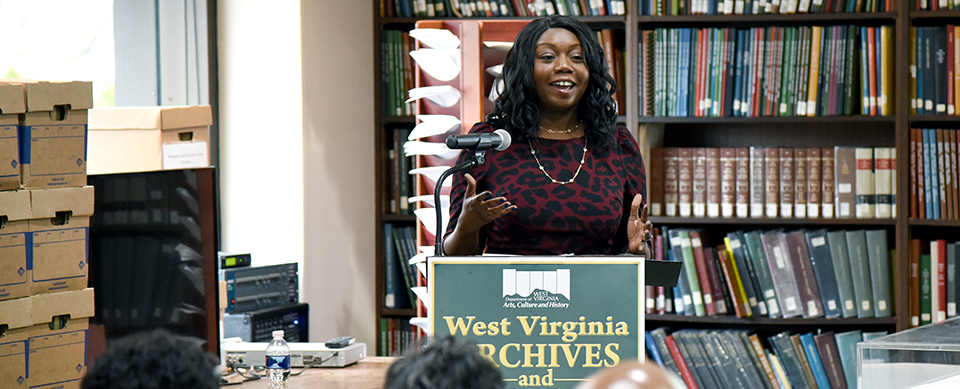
x=185, y=155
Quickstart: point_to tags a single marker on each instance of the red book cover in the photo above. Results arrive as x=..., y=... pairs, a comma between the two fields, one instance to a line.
x=702, y=274
x=700, y=72
x=913, y=292
x=760, y=42
x=671, y=181
x=685, y=372
x=951, y=107
x=655, y=197
x=941, y=311
x=872, y=67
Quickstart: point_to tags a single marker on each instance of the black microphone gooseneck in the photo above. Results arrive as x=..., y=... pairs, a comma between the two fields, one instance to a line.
x=477, y=160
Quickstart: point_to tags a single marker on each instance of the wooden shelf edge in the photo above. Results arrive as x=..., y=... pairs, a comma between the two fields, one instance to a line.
x=727, y=320
x=769, y=221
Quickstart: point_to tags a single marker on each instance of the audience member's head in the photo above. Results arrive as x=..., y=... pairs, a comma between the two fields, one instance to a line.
x=632, y=375
x=153, y=360
x=448, y=362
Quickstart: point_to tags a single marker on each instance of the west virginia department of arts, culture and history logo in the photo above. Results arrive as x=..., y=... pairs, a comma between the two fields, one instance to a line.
x=536, y=289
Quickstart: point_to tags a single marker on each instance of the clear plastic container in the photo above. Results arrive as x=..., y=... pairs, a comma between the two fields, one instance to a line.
x=278, y=361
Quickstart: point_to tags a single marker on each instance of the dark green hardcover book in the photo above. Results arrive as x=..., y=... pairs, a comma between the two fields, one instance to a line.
x=762, y=269
x=860, y=272
x=880, y=272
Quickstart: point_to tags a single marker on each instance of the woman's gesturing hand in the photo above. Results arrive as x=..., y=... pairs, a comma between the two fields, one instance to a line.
x=481, y=209
x=639, y=229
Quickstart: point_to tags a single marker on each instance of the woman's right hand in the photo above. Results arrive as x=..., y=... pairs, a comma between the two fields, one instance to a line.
x=481, y=209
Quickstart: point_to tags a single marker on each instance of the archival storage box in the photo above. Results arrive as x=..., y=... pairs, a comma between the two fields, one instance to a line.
x=11, y=106
x=53, y=133
x=14, y=220
x=58, y=232
x=136, y=139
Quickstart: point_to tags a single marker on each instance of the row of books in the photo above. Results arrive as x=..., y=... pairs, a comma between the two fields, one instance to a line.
x=756, y=7
x=934, y=77
x=776, y=273
x=400, y=186
x=933, y=294
x=937, y=5
x=500, y=8
x=784, y=182
x=707, y=359
x=399, y=275
x=397, y=72
x=767, y=71
x=934, y=180
x=397, y=336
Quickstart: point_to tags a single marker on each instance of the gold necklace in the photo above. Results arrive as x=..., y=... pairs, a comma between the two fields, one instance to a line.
x=567, y=131
x=542, y=169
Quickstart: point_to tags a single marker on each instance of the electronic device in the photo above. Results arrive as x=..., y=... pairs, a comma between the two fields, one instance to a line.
x=339, y=342
x=252, y=288
x=301, y=354
x=228, y=260
x=258, y=325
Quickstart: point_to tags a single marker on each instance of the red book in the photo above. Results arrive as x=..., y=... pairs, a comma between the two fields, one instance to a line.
x=685, y=372
x=941, y=309
x=913, y=291
x=702, y=273
x=702, y=35
x=759, y=41
x=872, y=67
x=951, y=107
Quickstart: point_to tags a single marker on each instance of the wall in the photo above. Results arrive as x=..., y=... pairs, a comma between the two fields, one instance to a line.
x=297, y=175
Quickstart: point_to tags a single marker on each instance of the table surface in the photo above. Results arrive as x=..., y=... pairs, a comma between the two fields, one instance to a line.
x=369, y=373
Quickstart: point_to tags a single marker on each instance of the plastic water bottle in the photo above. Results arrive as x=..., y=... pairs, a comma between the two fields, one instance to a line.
x=278, y=361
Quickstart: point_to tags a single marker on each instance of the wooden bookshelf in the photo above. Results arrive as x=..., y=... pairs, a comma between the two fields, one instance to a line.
x=818, y=131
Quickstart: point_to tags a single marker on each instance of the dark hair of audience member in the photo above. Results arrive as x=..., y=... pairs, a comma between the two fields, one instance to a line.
x=153, y=360
x=447, y=363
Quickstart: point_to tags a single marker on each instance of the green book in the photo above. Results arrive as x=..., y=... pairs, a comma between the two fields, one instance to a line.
x=690, y=269
x=860, y=271
x=786, y=80
x=926, y=310
x=880, y=272
x=849, y=100
x=762, y=270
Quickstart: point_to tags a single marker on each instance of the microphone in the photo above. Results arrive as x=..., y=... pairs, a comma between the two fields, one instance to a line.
x=498, y=140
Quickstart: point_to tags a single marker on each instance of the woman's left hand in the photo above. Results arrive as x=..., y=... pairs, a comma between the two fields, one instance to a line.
x=639, y=229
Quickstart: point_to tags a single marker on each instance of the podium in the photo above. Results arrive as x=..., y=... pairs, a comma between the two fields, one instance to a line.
x=546, y=320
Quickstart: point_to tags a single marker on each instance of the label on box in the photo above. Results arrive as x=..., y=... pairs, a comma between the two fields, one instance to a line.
x=185, y=155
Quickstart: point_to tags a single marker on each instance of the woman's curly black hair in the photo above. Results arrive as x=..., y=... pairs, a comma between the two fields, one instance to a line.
x=156, y=359
x=447, y=362
x=517, y=107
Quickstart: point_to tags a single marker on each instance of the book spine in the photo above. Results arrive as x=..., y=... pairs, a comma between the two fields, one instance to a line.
x=682, y=366
x=686, y=181
x=865, y=183
x=671, y=181
x=860, y=272
x=830, y=359
x=771, y=164
x=741, y=305
x=939, y=282
x=713, y=178
x=702, y=275
x=787, y=182
x=845, y=168
x=748, y=278
x=757, y=181
x=828, y=182
x=780, y=270
x=822, y=264
x=800, y=182
x=926, y=291
x=656, y=198
x=813, y=357
x=803, y=274
x=713, y=277
x=814, y=182
x=840, y=258
x=882, y=180
x=742, y=182
x=847, y=348
x=913, y=284
x=728, y=181
x=758, y=258
x=880, y=272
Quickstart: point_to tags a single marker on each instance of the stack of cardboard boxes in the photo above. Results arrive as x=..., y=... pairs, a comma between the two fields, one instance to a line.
x=45, y=209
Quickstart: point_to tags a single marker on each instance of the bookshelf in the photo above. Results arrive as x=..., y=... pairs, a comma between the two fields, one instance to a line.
x=740, y=131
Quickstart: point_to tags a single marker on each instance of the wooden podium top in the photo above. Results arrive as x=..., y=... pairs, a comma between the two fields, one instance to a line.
x=369, y=373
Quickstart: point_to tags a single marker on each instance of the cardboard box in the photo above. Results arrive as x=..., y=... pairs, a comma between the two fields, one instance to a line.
x=14, y=215
x=57, y=340
x=58, y=231
x=136, y=139
x=15, y=314
x=53, y=133
x=11, y=106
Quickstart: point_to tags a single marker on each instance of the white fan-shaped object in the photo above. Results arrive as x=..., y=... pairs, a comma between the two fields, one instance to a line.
x=423, y=295
x=498, y=45
x=431, y=125
x=422, y=322
x=429, y=199
x=437, y=38
x=428, y=218
x=442, y=64
x=426, y=249
x=415, y=147
x=495, y=70
x=442, y=95
x=433, y=173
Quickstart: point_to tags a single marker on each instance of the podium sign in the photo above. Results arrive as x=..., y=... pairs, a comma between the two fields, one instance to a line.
x=544, y=321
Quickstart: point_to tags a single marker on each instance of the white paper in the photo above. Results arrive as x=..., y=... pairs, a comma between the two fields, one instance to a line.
x=442, y=95
x=431, y=125
x=421, y=322
x=428, y=217
x=429, y=199
x=423, y=295
x=433, y=173
x=442, y=64
x=436, y=38
x=415, y=147
x=185, y=155
x=498, y=45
